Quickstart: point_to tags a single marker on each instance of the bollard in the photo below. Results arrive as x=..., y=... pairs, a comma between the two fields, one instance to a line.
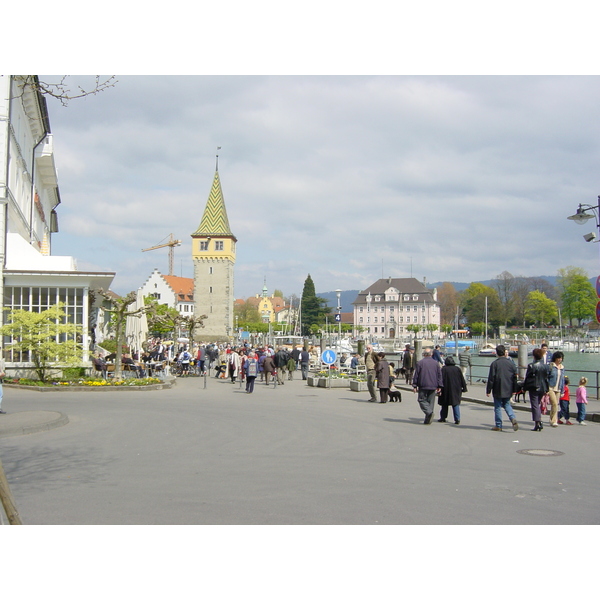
x=522, y=358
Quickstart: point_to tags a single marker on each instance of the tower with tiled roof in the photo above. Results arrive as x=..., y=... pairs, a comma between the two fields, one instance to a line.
x=213, y=255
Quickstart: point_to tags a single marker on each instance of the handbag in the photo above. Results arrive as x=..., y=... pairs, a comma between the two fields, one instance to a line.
x=544, y=401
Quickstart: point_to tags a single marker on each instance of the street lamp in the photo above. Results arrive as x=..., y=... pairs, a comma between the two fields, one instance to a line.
x=338, y=293
x=584, y=213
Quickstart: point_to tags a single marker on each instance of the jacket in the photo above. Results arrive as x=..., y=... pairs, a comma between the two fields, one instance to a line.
x=502, y=378
x=428, y=374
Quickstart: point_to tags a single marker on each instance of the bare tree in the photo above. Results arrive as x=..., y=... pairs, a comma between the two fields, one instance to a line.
x=62, y=90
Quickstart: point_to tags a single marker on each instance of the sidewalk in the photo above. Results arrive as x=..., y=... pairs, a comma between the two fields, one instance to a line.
x=477, y=394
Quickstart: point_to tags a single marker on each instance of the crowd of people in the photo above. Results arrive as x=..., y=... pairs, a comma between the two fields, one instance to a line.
x=435, y=378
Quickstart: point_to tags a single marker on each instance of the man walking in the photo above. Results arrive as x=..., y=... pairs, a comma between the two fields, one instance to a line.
x=427, y=381
x=304, y=363
x=371, y=359
x=281, y=360
x=464, y=360
x=501, y=382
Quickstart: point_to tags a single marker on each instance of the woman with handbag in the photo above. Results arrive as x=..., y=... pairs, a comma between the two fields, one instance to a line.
x=536, y=383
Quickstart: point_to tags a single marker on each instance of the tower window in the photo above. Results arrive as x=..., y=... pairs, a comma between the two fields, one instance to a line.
x=219, y=245
x=210, y=271
x=203, y=246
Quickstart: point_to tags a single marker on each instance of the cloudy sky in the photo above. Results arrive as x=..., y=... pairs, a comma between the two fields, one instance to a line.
x=348, y=178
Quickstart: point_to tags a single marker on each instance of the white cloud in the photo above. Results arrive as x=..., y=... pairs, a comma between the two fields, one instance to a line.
x=464, y=176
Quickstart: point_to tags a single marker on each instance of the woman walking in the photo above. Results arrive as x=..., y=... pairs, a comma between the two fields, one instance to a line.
x=556, y=385
x=382, y=372
x=536, y=383
x=454, y=385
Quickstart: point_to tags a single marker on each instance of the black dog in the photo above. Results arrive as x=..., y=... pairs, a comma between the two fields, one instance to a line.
x=395, y=396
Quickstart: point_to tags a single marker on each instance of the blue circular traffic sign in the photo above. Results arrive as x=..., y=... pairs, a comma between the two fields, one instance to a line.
x=329, y=357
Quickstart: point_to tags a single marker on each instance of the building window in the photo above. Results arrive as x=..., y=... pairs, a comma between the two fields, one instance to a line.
x=401, y=320
x=391, y=318
x=38, y=299
x=415, y=319
x=415, y=297
x=415, y=308
x=406, y=298
x=360, y=320
x=391, y=309
x=375, y=320
x=210, y=270
x=219, y=245
x=374, y=329
x=210, y=290
x=360, y=309
x=203, y=246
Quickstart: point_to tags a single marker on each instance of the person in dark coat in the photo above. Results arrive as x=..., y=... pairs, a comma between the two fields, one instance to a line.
x=382, y=372
x=453, y=387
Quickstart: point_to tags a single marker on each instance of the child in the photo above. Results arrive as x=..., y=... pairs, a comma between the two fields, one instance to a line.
x=581, y=399
x=564, y=405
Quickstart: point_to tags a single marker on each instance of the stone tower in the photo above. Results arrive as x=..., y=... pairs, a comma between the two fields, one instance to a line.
x=213, y=255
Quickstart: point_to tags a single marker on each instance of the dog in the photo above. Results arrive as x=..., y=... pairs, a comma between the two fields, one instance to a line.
x=395, y=395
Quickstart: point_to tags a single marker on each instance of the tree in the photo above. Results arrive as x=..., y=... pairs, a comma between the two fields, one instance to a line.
x=162, y=319
x=246, y=312
x=577, y=294
x=504, y=284
x=189, y=324
x=62, y=91
x=314, y=308
x=44, y=336
x=119, y=314
x=278, y=294
x=473, y=300
x=448, y=299
x=539, y=308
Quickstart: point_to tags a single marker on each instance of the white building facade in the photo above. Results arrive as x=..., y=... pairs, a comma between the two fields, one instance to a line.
x=387, y=308
x=175, y=292
x=31, y=278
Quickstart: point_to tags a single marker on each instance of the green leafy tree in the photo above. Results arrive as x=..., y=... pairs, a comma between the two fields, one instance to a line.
x=44, y=336
x=577, y=294
x=473, y=300
x=540, y=309
x=162, y=319
x=314, y=308
x=246, y=312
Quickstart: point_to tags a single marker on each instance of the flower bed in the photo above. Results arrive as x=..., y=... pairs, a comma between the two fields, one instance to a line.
x=85, y=382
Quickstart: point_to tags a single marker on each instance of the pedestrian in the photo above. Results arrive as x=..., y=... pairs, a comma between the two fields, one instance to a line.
x=382, y=371
x=2, y=376
x=581, y=400
x=427, y=381
x=291, y=367
x=304, y=363
x=453, y=387
x=371, y=359
x=268, y=367
x=501, y=383
x=536, y=383
x=281, y=359
x=251, y=370
x=564, y=405
x=233, y=364
x=408, y=363
x=437, y=355
x=556, y=384
x=464, y=359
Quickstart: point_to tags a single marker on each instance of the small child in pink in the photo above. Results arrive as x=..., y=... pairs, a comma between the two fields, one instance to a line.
x=581, y=399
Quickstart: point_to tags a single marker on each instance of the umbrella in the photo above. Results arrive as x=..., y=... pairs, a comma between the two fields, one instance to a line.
x=136, y=326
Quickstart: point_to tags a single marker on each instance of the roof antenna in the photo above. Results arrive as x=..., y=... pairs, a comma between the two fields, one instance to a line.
x=217, y=167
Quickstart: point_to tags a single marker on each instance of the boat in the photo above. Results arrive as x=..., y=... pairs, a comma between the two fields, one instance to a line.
x=487, y=350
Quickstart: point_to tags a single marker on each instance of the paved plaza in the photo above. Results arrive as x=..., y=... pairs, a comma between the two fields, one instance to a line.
x=288, y=455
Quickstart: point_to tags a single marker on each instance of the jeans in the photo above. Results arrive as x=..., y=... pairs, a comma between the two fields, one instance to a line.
x=564, y=410
x=426, y=399
x=304, y=370
x=455, y=411
x=580, y=412
x=250, y=383
x=499, y=404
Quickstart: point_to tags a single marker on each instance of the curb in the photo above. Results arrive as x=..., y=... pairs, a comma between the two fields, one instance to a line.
x=47, y=420
x=92, y=388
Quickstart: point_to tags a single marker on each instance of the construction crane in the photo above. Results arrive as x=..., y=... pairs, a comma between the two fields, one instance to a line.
x=171, y=244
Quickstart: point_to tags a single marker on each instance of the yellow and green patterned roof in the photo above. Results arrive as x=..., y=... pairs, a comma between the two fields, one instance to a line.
x=214, y=220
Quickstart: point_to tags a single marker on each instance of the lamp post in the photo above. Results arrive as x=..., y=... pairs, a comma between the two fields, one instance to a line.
x=338, y=293
x=584, y=213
